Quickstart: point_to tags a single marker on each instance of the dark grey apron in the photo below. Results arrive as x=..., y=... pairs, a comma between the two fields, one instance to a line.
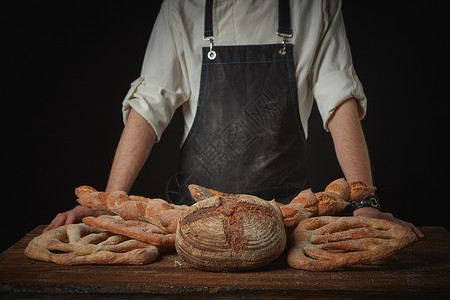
x=247, y=136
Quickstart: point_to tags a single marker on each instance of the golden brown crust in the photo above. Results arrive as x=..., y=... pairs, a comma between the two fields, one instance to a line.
x=329, y=203
x=139, y=230
x=83, y=190
x=132, y=207
x=307, y=199
x=293, y=214
x=94, y=200
x=325, y=203
x=230, y=233
x=77, y=244
x=359, y=190
x=341, y=187
x=199, y=193
x=169, y=219
x=326, y=243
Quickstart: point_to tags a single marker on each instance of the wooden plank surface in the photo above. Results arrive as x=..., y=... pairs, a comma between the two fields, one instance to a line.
x=422, y=270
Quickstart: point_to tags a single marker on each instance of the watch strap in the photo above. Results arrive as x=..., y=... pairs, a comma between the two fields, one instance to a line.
x=370, y=201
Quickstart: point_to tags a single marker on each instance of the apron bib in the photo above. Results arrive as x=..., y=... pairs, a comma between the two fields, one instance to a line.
x=247, y=136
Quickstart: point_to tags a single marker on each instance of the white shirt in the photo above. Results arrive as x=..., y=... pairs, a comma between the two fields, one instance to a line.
x=171, y=69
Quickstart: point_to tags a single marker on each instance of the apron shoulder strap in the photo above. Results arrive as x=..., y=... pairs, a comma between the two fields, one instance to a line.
x=208, y=32
x=284, y=18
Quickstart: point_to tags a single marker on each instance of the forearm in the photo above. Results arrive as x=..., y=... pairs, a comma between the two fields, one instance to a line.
x=349, y=142
x=352, y=154
x=133, y=150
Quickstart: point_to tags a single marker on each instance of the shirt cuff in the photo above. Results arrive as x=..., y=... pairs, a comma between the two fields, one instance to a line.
x=150, y=101
x=334, y=88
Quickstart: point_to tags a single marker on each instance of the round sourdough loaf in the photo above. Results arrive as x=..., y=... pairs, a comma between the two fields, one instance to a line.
x=230, y=233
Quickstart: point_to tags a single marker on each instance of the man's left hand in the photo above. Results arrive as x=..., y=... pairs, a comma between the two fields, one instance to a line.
x=375, y=213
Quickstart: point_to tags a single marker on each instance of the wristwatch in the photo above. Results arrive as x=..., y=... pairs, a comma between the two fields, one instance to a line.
x=370, y=201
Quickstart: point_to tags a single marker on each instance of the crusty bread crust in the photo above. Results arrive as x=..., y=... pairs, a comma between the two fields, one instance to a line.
x=139, y=230
x=326, y=243
x=359, y=190
x=230, y=233
x=155, y=211
x=78, y=244
x=224, y=232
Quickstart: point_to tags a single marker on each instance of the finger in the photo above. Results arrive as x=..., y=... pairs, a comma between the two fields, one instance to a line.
x=419, y=234
x=391, y=217
x=416, y=230
x=410, y=226
x=57, y=221
x=52, y=224
x=71, y=218
x=49, y=227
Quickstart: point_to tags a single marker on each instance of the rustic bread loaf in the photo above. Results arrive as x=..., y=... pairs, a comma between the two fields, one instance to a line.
x=359, y=190
x=327, y=243
x=139, y=230
x=78, y=244
x=155, y=211
x=332, y=200
x=229, y=233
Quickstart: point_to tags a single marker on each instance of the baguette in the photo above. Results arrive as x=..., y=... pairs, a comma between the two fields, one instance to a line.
x=139, y=230
x=155, y=211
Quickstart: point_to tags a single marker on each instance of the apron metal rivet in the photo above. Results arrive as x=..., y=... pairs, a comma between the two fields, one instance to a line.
x=212, y=55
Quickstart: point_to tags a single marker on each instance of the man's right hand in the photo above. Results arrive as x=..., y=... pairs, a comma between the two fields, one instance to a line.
x=74, y=215
x=133, y=150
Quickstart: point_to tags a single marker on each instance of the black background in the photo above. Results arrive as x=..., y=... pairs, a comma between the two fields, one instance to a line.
x=67, y=68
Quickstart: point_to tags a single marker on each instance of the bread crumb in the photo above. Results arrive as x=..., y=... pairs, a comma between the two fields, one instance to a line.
x=177, y=264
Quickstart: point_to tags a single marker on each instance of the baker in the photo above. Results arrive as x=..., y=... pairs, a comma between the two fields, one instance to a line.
x=246, y=74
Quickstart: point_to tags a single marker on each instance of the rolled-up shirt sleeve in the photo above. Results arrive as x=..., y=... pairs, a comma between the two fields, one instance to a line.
x=163, y=85
x=332, y=76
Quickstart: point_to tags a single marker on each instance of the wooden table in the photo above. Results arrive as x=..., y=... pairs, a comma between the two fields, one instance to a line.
x=422, y=271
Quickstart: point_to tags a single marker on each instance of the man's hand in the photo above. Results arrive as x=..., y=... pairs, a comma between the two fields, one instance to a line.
x=74, y=215
x=375, y=213
x=134, y=147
